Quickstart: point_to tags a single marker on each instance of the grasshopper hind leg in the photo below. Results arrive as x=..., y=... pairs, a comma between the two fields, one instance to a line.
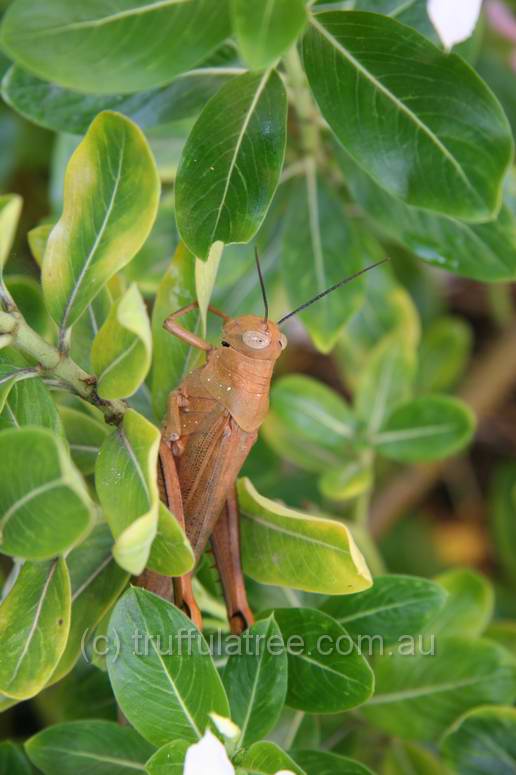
x=170, y=493
x=225, y=542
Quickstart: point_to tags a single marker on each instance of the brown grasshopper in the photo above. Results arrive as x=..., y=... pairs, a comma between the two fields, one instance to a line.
x=211, y=424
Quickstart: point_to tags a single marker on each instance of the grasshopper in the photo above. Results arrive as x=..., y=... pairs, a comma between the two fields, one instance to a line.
x=211, y=423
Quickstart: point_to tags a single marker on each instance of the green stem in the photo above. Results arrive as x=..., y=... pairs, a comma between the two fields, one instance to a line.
x=57, y=364
x=303, y=103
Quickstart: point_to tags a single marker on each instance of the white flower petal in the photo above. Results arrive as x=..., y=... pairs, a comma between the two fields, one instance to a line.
x=208, y=755
x=454, y=20
x=285, y=772
x=225, y=726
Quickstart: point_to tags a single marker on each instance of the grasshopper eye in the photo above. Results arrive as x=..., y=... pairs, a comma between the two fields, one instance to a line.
x=257, y=340
x=225, y=344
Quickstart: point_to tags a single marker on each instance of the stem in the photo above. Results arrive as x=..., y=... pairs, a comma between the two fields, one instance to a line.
x=303, y=102
x=55, y=364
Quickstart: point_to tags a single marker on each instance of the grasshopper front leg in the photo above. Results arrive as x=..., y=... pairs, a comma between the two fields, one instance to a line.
x=225, y=542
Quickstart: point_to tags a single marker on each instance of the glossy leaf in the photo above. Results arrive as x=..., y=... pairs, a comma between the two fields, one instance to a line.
x=482, y=251
x=110, y=203
x=108, y=49
x=319, y=249
x=125, y=477
x=265, y=30
x=121, y=353
x=64, y=110
x=326, y=673
x=413, y=13
x=96, y=582
x=286, y=547
x=37, y=239
x=415, y=129
x=425, y=429
x=417, y=697
x=394, y=606
x=10, y=210
x=256, y=681
x=483, y=742
x=26, y=292
x=13, y=760
x=267, y=758
x=26, y=401
x=169, y=759
x=34, y=625
x=44, y=504
x=157, y=667
x=326, y=763
x=87, y=327
x=468, y=607
x=85, y=435
x=10, y=374
x=84, y=747
x=308, y=423
x=171, y=553
x=231, y=163
x=173, y=359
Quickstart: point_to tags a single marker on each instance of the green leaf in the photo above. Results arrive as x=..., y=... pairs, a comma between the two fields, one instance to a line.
x=28, y=401
x=96, y=582
x=256, y=681
x=503, y=632
x=410, y=12
x=37, y=239
x=418, y=696
x=107, y=49
x=347, y=481
x=173, y=359
x=503, y=523
x=169, y=760
x=171, y=553
x=410, y=115
x=12, y=760
x=219, y=195
x=393, y=607
x=319, y=249
x=408, y=758
x=87, y=327
x=64, y=110
x=121, y=353
x=308, y=423
x=10, y=375
x=85, y=435
x=265, y=30
x=266, y=758
x=326, y=673
x=44, y=505
x=427, y=428
x=26, y=292
x=325, y=763
x=34, y=625
x=444, y=354
x=126, y=481
x=86, y=747
x=483, y=742
x=10, y=211
x=153, y=677
x=285, y=547
x=468, y=607
x=110, y=202
x=482, y=251
x=386, y=381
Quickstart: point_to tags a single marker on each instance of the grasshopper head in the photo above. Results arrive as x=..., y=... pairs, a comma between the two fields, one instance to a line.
x=254, y=337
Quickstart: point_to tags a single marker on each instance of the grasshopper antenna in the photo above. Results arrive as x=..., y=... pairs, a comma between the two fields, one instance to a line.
x=330, y=290
x=262, y=286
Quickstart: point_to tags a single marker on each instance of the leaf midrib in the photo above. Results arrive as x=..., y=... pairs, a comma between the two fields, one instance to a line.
x=98, y=757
